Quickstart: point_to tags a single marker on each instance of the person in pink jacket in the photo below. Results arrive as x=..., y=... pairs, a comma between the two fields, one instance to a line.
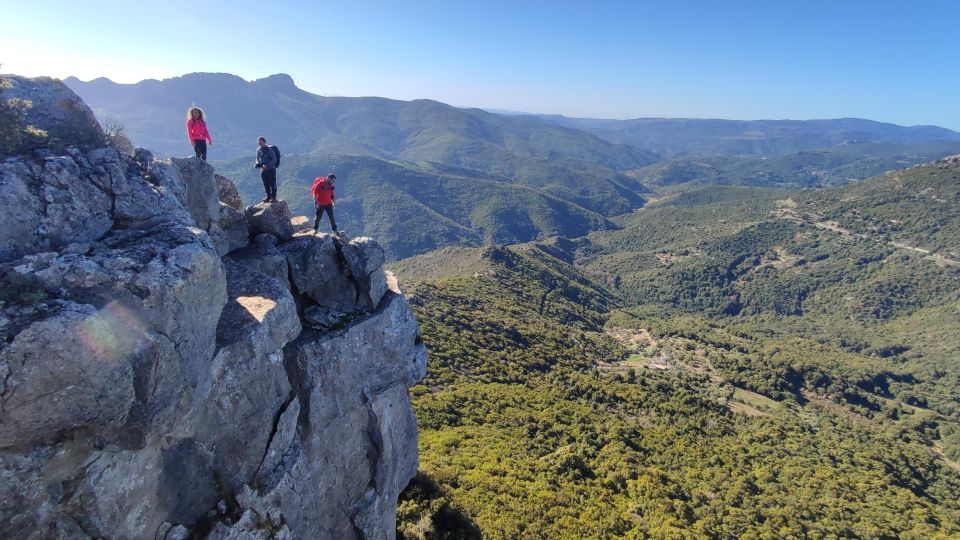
x=197, y=132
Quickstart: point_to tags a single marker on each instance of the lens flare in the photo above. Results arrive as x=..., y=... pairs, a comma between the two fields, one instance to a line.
x=114, y=333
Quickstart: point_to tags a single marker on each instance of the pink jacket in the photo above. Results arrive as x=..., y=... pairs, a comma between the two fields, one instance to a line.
x=197, y=130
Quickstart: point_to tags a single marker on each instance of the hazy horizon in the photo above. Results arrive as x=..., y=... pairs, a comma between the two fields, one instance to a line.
x=496, y=110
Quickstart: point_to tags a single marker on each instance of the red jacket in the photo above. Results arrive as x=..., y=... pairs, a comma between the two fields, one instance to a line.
x=197, y=130
x=322, y=191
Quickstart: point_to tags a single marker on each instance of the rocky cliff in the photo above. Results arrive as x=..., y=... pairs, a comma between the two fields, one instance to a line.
x=175, y=365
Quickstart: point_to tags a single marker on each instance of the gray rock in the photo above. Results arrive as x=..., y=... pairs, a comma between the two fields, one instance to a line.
x=281, y=454
x=51, y=204
x=317, y=272
x=322, y=318
x=270, y=218
x=227, y=193
x=144, y=381
x=55, y=109
x=229, y=233
x=21, y=211
x=353, y=386
x=201, y=193
x=140, y=201
x=364, y=359
x=177, y=533
x=266, y=260
x=265, y=240
x=159, y=294
x=340, y=277
x=118, y=493
x=142, y=156
x=251, y=526
x=248, y=379
x=82, y=380
x=365, y=259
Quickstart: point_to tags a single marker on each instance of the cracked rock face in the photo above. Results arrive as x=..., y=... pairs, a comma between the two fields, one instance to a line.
x=159, y=375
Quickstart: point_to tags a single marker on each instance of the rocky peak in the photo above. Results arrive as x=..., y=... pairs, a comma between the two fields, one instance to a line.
x=278, y=81
x=175, y=365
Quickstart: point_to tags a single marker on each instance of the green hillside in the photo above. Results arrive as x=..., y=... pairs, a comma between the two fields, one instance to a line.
x=915, y=207
x=549, y=412
x=411, y=209
x=811, y=288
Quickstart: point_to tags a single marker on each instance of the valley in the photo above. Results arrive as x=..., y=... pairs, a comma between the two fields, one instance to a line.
x=825, y=347
x=642, y=328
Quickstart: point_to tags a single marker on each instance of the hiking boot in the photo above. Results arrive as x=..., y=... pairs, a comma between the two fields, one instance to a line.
x=266, y=199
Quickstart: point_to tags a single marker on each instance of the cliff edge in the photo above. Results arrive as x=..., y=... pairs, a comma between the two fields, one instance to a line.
x=175, y=365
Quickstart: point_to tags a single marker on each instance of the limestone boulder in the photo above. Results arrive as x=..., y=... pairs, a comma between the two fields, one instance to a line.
x=229, y=233
x=56, y=110
x=265, y=259
x=83, y=379
x=49, y=204
x=248, y=378
x=317, y=271
x=227, y=192
x=364, y=359
x=352, y=386
x=365, y=258
x=141, y=200
x=270, y=218
x=54, y=201
x=192, y=181
x=22, y=210
x=140, y=308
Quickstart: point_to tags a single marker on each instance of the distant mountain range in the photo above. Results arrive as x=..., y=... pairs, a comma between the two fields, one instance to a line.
x=423, y=174
x=672, y=137
x=832, y=166
x=425, y=130
x=420, y=130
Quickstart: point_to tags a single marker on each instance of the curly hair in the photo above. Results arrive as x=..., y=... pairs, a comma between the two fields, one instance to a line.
x=198, y=109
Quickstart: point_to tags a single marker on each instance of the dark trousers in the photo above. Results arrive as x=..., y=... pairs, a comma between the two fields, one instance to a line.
x=328, y=208
x=200, y=148
x=269, y=179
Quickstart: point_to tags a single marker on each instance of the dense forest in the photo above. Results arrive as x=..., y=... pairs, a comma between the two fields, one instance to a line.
x=732, y=362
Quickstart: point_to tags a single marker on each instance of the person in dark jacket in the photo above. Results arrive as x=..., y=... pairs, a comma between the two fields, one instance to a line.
x=197, y=132
x=267, y=163
x=325, y=199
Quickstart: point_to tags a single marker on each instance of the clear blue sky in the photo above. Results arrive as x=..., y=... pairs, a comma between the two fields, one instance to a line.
x=894, y=61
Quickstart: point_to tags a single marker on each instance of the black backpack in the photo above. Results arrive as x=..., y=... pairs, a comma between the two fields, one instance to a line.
x=276, y=152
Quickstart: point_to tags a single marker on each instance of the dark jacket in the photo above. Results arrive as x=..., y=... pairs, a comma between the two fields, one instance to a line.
x=266, y=157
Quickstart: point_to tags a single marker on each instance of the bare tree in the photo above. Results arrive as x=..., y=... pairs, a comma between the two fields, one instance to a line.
x=117, y=136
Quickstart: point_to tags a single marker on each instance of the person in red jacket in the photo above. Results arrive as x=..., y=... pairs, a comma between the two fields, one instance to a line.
x=197, y=132
x=325, y=199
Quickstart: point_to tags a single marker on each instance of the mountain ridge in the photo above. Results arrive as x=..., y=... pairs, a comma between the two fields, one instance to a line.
x=382, y=124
